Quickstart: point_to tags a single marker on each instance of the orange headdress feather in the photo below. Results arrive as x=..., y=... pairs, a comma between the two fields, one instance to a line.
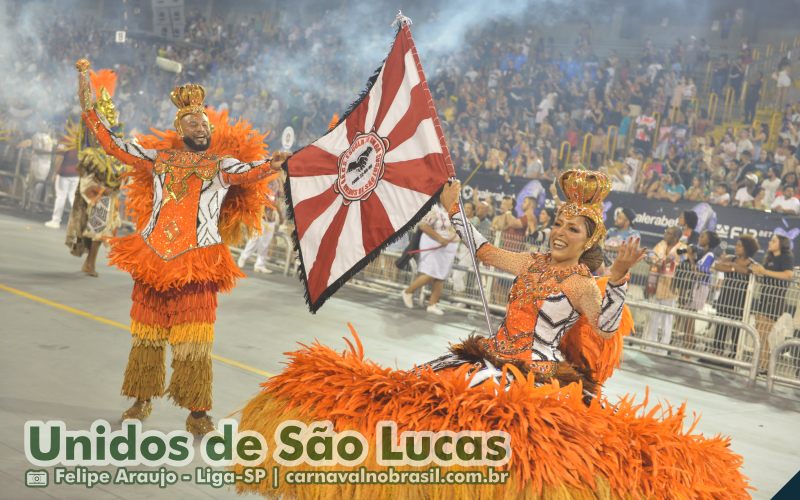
x=104, y=83
x=103, y=79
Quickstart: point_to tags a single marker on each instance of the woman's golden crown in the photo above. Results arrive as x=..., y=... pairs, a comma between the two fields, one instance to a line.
x=585, y=187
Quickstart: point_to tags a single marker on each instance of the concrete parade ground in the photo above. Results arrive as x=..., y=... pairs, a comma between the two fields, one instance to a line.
x=65, y=345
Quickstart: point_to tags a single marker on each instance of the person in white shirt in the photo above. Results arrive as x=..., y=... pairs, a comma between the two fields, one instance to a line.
x=622, y=180
x=746, y=194
x=720, y=196
x=744, y=144
x=786, y=203
x=770, y=186
x=437, y=251
x=535, y=167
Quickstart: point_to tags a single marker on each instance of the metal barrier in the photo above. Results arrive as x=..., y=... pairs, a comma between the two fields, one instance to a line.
x=713, y=100
x=288, y=252
x=23, y=186
x=775, y=366
x=611, y=143
x=751, y=366
x=279, y=255
x=586, y=150
x=564, y=152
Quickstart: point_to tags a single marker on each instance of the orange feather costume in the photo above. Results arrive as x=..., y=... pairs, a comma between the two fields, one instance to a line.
x=187, y=206
x=567, y=440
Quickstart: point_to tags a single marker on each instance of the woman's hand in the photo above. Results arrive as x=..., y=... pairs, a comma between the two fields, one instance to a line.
x=278, y=159
x=629, y=253
x=758, y=269
x=450, y=194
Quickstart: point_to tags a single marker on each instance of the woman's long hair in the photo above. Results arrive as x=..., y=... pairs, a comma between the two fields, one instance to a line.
x=593, y=257
x=785, y=247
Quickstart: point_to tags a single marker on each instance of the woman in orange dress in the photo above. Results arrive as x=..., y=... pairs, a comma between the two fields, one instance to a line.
x=537, y=379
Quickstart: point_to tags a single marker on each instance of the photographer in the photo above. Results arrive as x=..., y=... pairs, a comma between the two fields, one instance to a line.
x=663, y=261
x=692, y=281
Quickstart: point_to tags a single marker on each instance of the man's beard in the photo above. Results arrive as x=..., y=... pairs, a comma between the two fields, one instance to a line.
x=194, y=146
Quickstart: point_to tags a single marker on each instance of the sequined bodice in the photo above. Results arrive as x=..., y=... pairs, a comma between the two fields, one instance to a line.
x=178, y=166
x=187, y=198
x=538, y=312
x=541, y=280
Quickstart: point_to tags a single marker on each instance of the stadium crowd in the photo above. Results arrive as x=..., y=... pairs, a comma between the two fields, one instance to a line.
x=509, y=99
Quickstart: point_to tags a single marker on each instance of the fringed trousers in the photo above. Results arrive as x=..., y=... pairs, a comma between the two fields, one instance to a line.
x=184, y=317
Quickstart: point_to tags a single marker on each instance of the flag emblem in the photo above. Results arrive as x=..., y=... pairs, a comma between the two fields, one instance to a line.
x=361, y=167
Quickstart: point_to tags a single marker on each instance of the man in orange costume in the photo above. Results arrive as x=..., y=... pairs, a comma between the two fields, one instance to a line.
x=178, y=261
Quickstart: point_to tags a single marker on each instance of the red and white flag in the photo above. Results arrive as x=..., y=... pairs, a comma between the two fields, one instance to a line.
x=370, y=178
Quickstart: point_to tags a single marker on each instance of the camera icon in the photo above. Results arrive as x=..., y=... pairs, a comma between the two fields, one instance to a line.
x=36, y=478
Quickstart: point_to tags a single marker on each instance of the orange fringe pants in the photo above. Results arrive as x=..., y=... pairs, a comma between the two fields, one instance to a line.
x=184, y=317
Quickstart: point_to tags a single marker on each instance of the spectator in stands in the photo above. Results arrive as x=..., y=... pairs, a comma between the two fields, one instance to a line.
x=541, y=236
x=746, y=195
x=721, y=195
x=751, y=97
x=482, y=220
x=469, y=210
x=623, y=228
x=783, y=81
x=528, y=221
x=735, y=78
x=786, y=203
x=747, y=167
x=770, y=184
x=534, y=168
x=759, y=202
x=505, y=219
x=775, y=276
x=438, y=246
x=733, y=293
x=663, y=259
x=516, y=231
x=696, y=191
x=687, y=222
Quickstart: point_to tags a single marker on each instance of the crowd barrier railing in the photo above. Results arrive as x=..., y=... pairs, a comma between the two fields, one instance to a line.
x=656, y=347
x=783, y=366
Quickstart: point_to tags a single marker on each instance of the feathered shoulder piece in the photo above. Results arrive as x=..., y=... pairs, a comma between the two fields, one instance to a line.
x=244, y=204
x=583, y=347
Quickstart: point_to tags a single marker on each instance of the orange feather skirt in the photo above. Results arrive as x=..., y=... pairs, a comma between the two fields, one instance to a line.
x=211, y=265
x=561, y=448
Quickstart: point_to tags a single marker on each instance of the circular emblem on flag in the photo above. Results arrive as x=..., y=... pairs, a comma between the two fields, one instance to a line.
x=361, y=167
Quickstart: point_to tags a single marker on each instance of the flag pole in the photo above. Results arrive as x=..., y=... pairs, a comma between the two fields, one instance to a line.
x=470, y=242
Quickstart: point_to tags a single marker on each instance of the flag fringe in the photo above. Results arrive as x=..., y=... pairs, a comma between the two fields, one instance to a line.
x=314, y=306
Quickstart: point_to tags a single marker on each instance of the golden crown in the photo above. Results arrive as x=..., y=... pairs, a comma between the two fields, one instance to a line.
x=585, y=186
x=585, y=191
x=189, y=99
